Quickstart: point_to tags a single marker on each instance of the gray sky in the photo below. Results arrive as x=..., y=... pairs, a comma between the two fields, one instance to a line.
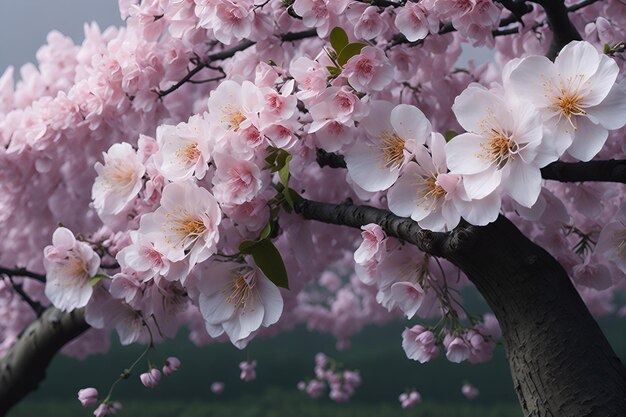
x=24, y=24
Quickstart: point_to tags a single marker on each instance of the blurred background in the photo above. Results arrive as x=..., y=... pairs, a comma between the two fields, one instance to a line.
x=283, y=361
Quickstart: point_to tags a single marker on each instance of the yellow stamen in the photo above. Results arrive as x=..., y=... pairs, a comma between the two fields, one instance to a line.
x=392, y=149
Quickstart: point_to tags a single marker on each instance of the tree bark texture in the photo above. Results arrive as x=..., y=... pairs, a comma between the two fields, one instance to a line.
x=24, y=366
x=561, y=363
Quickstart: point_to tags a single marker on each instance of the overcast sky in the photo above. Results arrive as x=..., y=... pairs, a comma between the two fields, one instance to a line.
x=24, y=24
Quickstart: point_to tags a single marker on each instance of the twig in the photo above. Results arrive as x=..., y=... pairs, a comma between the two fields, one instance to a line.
x=22, y=272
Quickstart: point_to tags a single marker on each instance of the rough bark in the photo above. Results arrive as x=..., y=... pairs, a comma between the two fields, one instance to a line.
x=561, y=363
x=24, y=366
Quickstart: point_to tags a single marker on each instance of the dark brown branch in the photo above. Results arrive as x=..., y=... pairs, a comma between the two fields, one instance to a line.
x=24, y=366
x=518, y=8
x=613, y=170
x=582, y=4
x=22, y=272
x=19, y=289
x=348, y=214
x=563, y=31
x=229, y=53
x=561, y=363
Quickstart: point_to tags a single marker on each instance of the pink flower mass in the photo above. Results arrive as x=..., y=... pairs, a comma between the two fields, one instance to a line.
x=232, y=169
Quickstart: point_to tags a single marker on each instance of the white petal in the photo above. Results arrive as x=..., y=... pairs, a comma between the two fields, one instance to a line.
x=611, y=113
x=463, y=154
x=589, y=140
x=410, y=123
x=523, y=183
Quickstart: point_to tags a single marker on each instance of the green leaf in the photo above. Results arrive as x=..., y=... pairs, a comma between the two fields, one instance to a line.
x=283, y=172
x=266, y=231
x=268, y=259
x=449, y=135
x=338, y=39
x=246, y=246
x=349, y=51
x=333, y=71
x=96, y=279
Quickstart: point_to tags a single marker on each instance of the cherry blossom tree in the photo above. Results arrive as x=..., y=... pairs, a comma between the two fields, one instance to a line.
x=239, y=167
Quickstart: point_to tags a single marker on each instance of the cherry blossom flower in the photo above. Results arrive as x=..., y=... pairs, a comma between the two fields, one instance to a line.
x=576, y=95
x=370, y=70
x=238, y=299
x=186, y=223
x=217, y=388
x=410, y=399
x=69, y=265
x=235, y=181
x=415, y=21
x=171, y=365
x=419, y=344
x=151, y=378
x=184, y=149
x=88, y=396
x=392, y=135
x=119, y=179
x=426, y=192
x=469, y=391
x=503, y=146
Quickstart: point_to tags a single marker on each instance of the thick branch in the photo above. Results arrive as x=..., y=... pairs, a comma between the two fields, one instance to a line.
x=563, y=31
x=613, y=170
x=561, y=363
x=348, y=214
x=24, y=365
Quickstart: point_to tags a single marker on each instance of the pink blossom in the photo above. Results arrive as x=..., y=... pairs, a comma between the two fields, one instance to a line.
x=414, y=21
x=419, y=344
x=217, y=388
x=457, y=349
x=118, y=180
x=410, y=399
x=185, y=224
x=235, y=181
x=151, y=378
x=248, y=371
x=469, y=391
x=88, y=396
x=69, y=265
x=171, y=365
x=370, y=70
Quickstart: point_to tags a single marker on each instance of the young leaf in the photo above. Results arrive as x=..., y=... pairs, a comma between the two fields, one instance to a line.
x=338, y=39
x=349, y=51
x=268, y=259
x=449, y=135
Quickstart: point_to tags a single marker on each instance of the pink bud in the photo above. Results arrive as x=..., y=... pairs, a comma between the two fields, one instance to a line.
x=469, y=391
x=217, y=388
x=103, y=410
x=150, y=379
x=248, y=371
x=171, y=365
x=88, y=396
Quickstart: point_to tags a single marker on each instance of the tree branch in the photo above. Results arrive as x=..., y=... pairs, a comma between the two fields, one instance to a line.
x=35, y=305
x=612, y=170
x=24, y=365
x=229, y=53
x=562, y=28
x=22, y=272
x=355, y=216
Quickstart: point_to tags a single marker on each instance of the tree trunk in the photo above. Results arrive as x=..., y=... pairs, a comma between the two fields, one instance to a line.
x=561, y=363
x=24, y=365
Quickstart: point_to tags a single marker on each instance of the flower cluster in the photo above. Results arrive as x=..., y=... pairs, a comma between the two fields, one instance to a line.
x=342, y=384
